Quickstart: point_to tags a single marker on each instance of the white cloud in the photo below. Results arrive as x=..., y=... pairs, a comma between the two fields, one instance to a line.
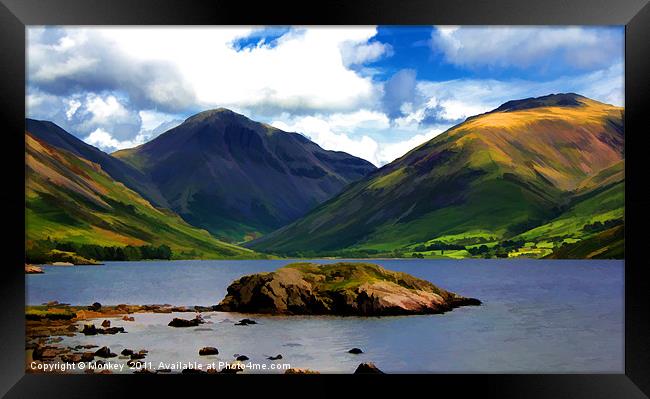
x=305, y=70
x=355, y=53
x=73, y=106
x=106, y=141
x=105, y=110
x=350, y=133
x=520, y=46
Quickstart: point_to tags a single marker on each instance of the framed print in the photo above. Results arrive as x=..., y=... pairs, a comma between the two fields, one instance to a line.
x=384, y=193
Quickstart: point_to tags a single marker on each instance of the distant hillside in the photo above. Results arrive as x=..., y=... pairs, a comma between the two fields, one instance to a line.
x=534, y=170
x=238, y=178
x=55, y=136
x=69, y=199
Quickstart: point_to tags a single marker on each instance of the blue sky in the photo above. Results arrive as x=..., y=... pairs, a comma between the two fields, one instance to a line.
x=374, y=92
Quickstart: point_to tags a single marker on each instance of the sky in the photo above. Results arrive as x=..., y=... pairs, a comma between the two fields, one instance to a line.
x=372, y=91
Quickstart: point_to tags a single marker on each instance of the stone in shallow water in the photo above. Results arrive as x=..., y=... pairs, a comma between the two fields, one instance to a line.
x=105, y=352
x=355, y=351
x=208, y=350
x=367, y=368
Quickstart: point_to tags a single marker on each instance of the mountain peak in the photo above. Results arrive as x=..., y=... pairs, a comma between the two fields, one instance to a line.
x=215, y=114
x=550, y=100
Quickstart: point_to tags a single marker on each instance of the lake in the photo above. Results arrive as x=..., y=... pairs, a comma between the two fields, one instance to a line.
x=538, y=316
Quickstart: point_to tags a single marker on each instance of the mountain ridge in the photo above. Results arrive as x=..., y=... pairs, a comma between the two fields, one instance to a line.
x=72, y=200
x=239, y=178
x=490, y=177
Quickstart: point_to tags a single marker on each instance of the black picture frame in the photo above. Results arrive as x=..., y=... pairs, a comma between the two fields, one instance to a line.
x=634, y=14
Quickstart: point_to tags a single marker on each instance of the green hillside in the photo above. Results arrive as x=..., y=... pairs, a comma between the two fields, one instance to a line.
x=72, y=201
x=524, y=174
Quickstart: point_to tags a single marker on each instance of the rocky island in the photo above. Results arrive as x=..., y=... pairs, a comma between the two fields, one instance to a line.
x=351, y=289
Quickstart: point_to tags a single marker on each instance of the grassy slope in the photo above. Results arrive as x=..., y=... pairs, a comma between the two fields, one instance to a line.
x=71, y=199
x=489, y=178
x=608, y=244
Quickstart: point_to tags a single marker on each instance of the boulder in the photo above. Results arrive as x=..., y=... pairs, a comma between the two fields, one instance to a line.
x=89, y=329
x=111, y=330
x=104, y=352
x=241, y=358
x=32, y=269
x=128, y=318
x=345, y=288
x=355, y=351
x=126, y=352
x=276, y=357
x=245, y=322
x=177, y=322
x=87, y=357
x=71, y=358
x=208, y=350
x=106, y=323
x=367, y=368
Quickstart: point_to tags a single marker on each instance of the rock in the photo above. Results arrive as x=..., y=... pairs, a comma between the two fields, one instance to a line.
x=345, y=288
x=126, y=352
x=95, y=306
x=300, y=371
x=276, y=357
x=46, y=353
x=138, y=355
x=32, y=269
x=106, y=323
x=246, y=322
x=242, y=358
x=111, y=330
x=176, y=322
x=89, y=329
x=367, y=368
x=104, y=352
x=208, y=350
x=71, y=358
x=128, y=318
x=87, y=357
x=355, y=351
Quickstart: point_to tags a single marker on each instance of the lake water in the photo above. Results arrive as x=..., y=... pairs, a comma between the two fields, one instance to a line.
x=537, y=316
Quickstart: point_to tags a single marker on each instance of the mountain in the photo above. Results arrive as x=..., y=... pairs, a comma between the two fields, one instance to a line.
x=70, y=199
x=525, y=165
x=238, y=178
x=55, y=136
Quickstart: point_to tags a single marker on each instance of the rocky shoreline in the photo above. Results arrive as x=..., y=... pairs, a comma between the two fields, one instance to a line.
x=47, y=324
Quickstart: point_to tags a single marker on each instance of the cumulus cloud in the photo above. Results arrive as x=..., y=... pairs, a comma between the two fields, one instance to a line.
x=399, y=92
x=355, y=53
x=353, y=132
x=105, y=140
x=83, y=60
x=583, y=48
